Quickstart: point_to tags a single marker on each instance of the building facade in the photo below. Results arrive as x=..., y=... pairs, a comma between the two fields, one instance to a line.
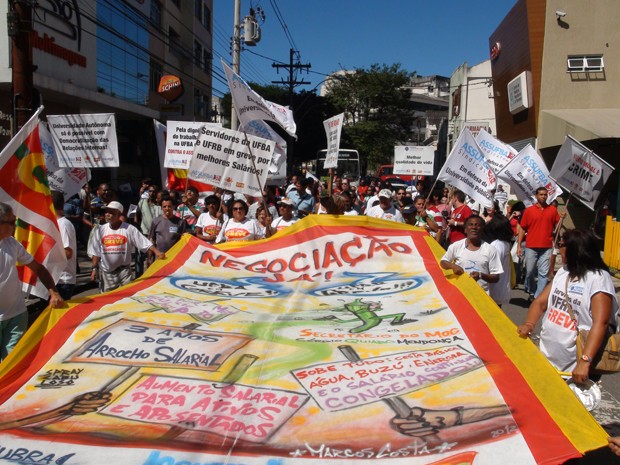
x=471, y=101
x=105, y=56
x=556, y=71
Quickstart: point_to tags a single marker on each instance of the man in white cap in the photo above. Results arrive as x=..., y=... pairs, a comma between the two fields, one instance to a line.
x=112, y=247
x=286, y=209
x=385, y=210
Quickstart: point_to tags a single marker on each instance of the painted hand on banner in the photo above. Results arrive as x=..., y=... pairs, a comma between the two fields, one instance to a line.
x=422, y=422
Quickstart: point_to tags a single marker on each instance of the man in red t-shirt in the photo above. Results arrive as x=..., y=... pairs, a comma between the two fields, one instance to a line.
x=537, y=225
x=460, y=212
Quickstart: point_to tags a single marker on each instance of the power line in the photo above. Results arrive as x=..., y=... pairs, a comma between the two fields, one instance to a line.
x=282, y=22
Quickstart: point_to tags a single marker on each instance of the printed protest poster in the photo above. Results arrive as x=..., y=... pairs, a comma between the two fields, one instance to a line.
x=277, y=167
x=336, y=338
x=181, y=136
x=580, y=171
x=497, y=154
x=231, y=160
x=414, y=160
x=69, y=181
x=466, y=169
x=527, y=172
x=84, y=141
x=333, y=129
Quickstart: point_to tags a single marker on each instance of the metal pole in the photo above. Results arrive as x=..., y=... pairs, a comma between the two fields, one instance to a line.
x=22, y=65
x=236, y=57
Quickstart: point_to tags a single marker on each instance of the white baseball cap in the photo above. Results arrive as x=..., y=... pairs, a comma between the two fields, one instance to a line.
x=114, y=206
x=386, y=193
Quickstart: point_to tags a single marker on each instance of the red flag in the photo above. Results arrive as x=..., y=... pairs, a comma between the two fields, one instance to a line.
x=177, y=180
x=24, y=186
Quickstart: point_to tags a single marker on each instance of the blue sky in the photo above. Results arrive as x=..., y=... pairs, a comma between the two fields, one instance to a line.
x=429, y=37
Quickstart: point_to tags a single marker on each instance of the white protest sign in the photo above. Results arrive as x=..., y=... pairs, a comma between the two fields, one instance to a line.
x=580, y=171
x=466, y=169
x=333, y=129
x=69, y=181
x=261, y=129
x=181, y=137
x=344, y=385
x=497, y=154
x=250, y=106
x=414, y=160
x=527, y=172
x=231, y=160
x=85, y=141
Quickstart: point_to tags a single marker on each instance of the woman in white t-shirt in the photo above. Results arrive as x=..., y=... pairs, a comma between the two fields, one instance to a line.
x=239, y=227
x=585, y=284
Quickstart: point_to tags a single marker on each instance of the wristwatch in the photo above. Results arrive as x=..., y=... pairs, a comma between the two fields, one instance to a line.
x=585, y=358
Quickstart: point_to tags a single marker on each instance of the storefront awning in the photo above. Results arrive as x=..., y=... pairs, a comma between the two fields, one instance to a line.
x=582, y=124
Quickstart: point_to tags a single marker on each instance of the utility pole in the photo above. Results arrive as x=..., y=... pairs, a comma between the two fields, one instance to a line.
x=236, y=58
x=292, y=83
x=19, y=24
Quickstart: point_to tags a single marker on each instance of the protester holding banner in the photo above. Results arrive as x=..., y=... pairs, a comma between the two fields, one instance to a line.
x=385, y=210
x=473, y=256
x=614, y=445
x=112, y=245
x=287, y=218
x=585, y=284
x=190, y=208
x=166, y=229
x=537, y=225
x=458, y=216
x=210, y=222
x=239, y=227
x=13, y=312
x=303, y=200
x=264, y=219
x=67, y=280
x=148, y=209
x=419, y=216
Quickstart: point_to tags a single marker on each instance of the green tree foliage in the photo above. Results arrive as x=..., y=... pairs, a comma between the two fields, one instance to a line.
x=378, y=112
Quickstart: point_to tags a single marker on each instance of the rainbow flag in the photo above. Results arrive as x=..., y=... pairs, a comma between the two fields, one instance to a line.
x=338, y=340
x=24, y=186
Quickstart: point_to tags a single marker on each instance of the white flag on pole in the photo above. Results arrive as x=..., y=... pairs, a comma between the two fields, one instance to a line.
x=250, y=106
x=466, y=168
x=580, y=171
x=527, y=172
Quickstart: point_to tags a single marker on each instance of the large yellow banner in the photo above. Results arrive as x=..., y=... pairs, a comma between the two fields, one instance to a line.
x=340, y=339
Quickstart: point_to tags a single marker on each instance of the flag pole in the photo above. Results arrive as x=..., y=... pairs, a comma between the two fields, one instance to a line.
x=559, y=226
